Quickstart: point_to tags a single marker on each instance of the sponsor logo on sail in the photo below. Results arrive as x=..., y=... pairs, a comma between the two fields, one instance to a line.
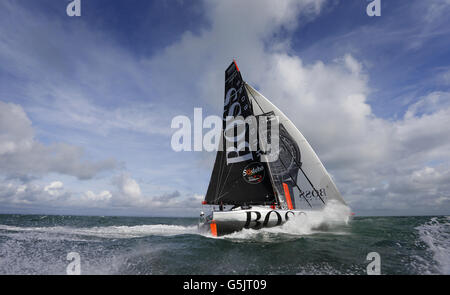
x=313, y=193
x=254, y=173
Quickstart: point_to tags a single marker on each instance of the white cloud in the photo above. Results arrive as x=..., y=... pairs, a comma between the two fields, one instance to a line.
x=13, y=193
x=128, y=194
x=128, y=190
x=54, y=188
x=432, y=103
x=15, y=129
x=89, y=196
x=125, y=198
x=371, y=158
x=21, y=155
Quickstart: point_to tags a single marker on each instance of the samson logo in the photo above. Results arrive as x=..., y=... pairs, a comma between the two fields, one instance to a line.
x=253, y=173
x=313, y=193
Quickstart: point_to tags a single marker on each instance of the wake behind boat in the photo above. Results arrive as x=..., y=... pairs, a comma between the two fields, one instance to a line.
x=265, y=171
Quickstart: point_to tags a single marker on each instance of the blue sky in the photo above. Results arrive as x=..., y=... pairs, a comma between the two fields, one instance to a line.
x=86, y=102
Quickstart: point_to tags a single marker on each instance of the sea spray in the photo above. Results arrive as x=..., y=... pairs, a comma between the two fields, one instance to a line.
x=116, y=232
x=330, y=219
x=436, y=235
x=332, y=216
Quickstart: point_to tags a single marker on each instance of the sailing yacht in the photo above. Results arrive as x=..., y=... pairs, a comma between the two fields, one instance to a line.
x=266, y=185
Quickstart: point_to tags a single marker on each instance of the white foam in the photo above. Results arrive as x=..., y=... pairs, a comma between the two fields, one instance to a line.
x=329, y=219
x=116, y=232
x=333, y=215
x=436, y=235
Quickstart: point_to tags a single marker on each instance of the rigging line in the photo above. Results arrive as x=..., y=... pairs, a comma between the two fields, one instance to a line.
x=220, y=168
x=223, y=165
x=287, y=170
x=219, y=193
x=223, y=154
x=229, y=170
x=275, y=193
x=300, y=167
x=220, y=173
x=226, y=178
x=254, y=98
x=250, y=91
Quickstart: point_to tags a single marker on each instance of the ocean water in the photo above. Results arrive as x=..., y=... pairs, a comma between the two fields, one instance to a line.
x=38, y=244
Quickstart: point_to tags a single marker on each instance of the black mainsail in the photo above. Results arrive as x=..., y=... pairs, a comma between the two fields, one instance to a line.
x=239, y=177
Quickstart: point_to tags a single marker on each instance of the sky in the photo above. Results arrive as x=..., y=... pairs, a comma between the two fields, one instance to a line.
x=86, y=102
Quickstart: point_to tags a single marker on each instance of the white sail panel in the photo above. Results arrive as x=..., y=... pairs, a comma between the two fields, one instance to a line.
x=319, y=183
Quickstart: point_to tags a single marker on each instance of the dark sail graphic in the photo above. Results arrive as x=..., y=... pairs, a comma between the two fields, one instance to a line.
x=239, y=177
x=284, y=170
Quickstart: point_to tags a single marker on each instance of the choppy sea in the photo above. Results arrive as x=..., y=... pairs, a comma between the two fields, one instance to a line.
x=39, y=244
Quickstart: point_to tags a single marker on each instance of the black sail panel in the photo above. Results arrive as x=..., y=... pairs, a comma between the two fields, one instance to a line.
x=239, y=177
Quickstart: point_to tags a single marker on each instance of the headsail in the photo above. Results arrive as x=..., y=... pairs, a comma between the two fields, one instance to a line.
x=239, y=177
x=298, y=166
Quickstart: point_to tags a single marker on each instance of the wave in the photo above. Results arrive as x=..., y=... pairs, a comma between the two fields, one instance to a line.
x=436, y=235
x=327, y=220
x=115, y=232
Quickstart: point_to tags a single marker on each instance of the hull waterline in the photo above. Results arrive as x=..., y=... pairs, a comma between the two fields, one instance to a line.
x=221, y=223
